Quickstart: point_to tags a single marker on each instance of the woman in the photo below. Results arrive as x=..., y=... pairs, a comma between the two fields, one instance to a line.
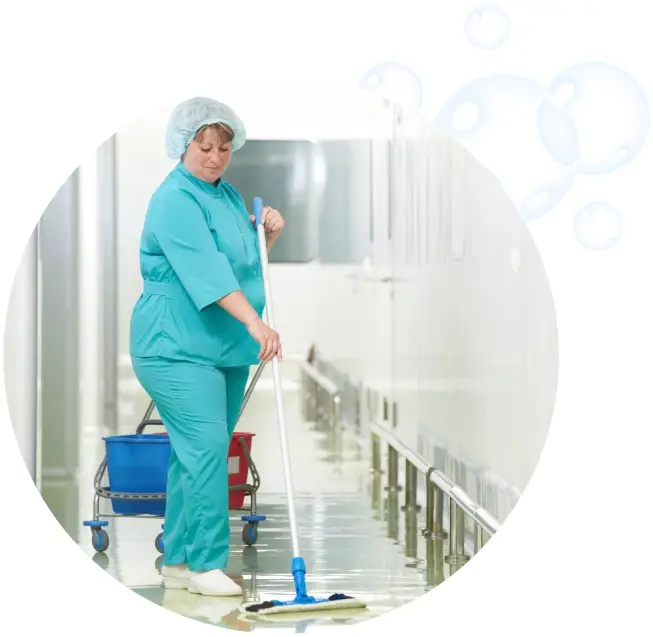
x=196, y=330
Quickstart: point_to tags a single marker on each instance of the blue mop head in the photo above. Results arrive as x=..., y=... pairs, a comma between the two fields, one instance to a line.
x=302, y=601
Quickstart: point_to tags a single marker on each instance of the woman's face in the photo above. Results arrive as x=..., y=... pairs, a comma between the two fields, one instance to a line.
x=208, y=155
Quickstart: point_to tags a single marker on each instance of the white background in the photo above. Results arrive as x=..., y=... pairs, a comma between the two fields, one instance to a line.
x=573, y=557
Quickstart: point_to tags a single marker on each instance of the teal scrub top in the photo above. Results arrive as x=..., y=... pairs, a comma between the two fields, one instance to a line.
x=197, y=246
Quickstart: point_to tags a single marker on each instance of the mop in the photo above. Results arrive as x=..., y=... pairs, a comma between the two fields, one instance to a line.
x=302, y=602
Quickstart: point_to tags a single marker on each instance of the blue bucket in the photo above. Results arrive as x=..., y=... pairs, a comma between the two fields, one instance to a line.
x=138, y=463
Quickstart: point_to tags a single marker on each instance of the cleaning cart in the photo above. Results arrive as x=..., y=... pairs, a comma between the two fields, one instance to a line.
x=137, y=470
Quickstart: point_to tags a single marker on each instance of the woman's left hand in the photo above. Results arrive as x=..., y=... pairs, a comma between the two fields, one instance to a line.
x=273, y=222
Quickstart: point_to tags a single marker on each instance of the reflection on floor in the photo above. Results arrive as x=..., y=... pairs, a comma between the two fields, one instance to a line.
x=354, y=535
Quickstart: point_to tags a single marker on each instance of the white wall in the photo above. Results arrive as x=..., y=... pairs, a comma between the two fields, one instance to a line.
x=464, y=336
x=21, y=355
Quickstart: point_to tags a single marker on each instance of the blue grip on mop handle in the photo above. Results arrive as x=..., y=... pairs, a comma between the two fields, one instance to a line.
x=258, y=210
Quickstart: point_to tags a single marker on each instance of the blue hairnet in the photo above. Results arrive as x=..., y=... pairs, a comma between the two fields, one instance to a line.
x=189, y=116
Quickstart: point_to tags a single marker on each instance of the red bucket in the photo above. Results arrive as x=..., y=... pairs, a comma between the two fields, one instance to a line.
x=238, y=468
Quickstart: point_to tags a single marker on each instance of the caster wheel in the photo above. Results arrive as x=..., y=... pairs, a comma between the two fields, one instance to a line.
x=250, y=534
x=158, y=542
x=100, y=540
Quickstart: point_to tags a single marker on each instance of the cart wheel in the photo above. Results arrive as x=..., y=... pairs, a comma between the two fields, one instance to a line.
x=250, y=534
x=158, y=542
x=100, y=540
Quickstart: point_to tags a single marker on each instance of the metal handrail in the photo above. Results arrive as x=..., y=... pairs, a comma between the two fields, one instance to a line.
x=322, y=403
x=318, y=377
x=479, y=514
x=322, y=390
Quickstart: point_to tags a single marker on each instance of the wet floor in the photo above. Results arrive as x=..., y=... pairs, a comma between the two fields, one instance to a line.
x=354, y=535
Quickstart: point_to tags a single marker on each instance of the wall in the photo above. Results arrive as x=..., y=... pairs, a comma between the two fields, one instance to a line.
x=453, y=320
x=21, y=355
x=48, y=422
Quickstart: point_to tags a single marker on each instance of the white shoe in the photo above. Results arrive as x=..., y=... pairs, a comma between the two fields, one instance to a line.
x=175, y=577
x=214, y=583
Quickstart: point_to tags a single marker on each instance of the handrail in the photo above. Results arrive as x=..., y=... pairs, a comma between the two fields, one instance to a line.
x=479, y=514
x=322, y=401
x=318, y=377
x=322, y=404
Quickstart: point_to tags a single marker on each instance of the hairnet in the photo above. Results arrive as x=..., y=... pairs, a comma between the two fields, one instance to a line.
x=189, y=116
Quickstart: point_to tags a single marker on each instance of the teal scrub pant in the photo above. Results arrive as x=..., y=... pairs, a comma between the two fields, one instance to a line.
x=199, y=407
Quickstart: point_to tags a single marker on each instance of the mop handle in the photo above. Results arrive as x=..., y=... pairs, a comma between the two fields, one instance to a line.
x=258, y=214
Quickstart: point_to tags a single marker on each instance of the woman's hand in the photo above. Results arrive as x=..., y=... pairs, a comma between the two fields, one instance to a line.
x=273, y=224
x=268, y=339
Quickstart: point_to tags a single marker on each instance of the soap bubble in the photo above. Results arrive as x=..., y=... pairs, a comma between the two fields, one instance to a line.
x=394, y=82
x=598, y=226
x=487, y=27
x=558, y=132
x=610, y=113
x=503, y=121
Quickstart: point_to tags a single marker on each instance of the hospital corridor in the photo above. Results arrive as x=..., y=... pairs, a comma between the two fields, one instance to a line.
x=418, y=377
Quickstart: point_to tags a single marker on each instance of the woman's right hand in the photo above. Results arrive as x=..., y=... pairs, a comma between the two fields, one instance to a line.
x=268, y=339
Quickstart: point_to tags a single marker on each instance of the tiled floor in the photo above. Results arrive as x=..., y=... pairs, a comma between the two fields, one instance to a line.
x=354, y=538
